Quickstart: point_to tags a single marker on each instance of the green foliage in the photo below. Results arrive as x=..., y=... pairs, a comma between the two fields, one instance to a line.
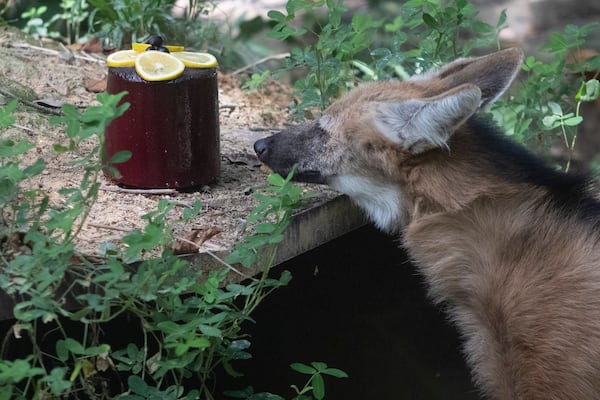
x=35, y=25
x=120, y=22
x=271, y=216
x=316, y=383
x=189, y=320
x=342, y=54
x=332, y=61
x=314, y=388
x=73, y=14
x=545, y=106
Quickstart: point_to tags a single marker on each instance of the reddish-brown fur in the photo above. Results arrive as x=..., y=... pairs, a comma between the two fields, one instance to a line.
x=510, y=246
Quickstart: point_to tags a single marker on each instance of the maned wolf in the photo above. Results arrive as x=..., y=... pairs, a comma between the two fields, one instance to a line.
x=509, y=245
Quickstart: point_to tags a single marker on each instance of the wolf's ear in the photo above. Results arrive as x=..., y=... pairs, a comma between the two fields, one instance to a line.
x=422, y=124
x=493, y=74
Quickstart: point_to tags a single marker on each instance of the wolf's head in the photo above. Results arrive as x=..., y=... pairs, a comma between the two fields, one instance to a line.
x=363, y=143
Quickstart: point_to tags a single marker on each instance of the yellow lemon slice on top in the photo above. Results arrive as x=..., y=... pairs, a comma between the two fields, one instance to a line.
x=122, y=58
x=158, y=66
x=196, y=60
x=143, y=46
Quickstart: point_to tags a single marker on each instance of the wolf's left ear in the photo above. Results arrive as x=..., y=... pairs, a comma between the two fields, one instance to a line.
x=422, y=124
x=492, y=74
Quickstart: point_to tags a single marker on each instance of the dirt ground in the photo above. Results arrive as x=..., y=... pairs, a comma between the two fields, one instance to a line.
x=48, y=75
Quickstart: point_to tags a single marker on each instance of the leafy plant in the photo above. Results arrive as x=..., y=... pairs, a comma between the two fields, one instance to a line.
x=341, y=55
x=74, y=13
x=189, y=321
x=589, y=91
x=545, y=107
x=35, y=26
x=37, y=246
x=121, y=22
x=314, y=388
x=330, y=62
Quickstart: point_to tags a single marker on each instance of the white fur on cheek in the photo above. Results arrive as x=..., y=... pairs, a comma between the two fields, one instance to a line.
x=383, y=203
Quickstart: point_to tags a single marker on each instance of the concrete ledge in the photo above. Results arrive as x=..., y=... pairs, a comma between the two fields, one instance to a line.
x=309, y=229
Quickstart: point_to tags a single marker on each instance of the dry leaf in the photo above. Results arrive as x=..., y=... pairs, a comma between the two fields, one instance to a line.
x=194, y=239
x=95, y=85
x=49, y=103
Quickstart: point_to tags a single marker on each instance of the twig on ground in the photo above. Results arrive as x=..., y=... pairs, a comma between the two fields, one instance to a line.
x=231, y=267
x=114, y=228
x=54, y=111
x=137, y=191
x=77, y=55
x=261, y=61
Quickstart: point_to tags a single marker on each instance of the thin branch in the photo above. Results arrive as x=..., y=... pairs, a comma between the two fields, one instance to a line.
x=261, y=61
x=231, y=267
x=113, y=228
x=77, y=55
x=25, y=128
x=137, y=191
x=9, y=94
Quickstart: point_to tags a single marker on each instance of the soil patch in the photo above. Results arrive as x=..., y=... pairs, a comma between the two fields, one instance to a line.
x=48, y=74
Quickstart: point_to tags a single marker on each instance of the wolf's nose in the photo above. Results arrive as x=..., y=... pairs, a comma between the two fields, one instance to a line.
x=260, y=147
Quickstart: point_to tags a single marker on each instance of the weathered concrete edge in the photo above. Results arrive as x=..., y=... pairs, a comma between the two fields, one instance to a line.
x=316, y=226
x=310, y=228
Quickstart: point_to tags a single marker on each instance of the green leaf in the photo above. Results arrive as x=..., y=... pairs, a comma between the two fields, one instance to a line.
x=362, y=22
x=120, y=157
x=61, y=350
x=573, y=121
x=285, y=278
x=17, y=370
x=501, y=19
x=9, y=148
x=431, y=21
x=338, y=373
x=137, y=385
x=97, y=350
x=210, y=330
x=265, y=227
x=591, y=92
x=6, y=114
x=276, y=15
x=319, y=366
x=550, y=121
x=181, y=349
x=303, y=368
x=275, y=179
x=169, y=327
x=199, y=343
x=74, y=346
x=36, y=168
x=555, y=108
x=318, y=387
x=191, y=213
x=55, y=380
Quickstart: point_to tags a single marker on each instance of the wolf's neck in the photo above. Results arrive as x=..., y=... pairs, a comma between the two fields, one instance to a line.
x=383, y=203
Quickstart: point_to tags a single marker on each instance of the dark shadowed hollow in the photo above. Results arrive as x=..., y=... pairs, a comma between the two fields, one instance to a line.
x=356, y=304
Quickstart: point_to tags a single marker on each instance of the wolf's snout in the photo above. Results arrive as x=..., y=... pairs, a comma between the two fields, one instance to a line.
x=260, y=147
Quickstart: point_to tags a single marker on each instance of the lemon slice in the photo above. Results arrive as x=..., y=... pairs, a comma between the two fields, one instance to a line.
x=143, y=46
x=158, y=66
x=196, y=60
x=122, y=58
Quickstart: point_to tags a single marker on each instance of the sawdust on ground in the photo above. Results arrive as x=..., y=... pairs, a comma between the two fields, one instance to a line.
x=50, y=74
